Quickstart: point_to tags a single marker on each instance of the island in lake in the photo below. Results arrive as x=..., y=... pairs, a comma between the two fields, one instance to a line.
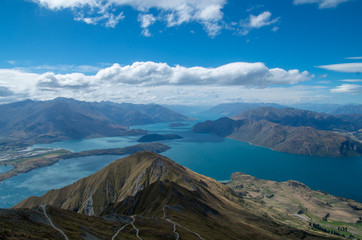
x=158, y=137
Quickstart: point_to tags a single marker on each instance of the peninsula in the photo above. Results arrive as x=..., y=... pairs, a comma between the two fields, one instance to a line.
x=26, y=164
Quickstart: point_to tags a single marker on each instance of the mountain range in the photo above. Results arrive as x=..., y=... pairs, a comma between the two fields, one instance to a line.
x=28, y=122
x=289, y=130
x=148, y=196
x=330, y=108
x=297, y=118
x=232, y=109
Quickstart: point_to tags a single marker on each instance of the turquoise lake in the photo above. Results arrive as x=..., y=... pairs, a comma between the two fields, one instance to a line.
x=206, y=154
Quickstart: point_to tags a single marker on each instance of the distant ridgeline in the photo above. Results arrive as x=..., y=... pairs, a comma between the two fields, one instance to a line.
x=291, y=130
x=233, y=109
x=28, y=122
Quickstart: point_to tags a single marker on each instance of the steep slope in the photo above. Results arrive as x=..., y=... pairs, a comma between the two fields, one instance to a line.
x=153, y=189
x=296, y=140
x=29, y=122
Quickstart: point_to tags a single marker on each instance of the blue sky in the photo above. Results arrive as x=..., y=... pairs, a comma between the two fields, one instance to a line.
x=182, y=51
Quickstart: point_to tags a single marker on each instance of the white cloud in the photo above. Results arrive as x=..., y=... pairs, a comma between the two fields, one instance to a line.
x=354, y=58
x=146, y=20
x=261, y=20
x=347, y=88
x=176, y=12
x=321, y=3
x=107, y=18
x=352, y=80
x=50, y=81
x=17, y=80
x=16, y=84
x=344, y=67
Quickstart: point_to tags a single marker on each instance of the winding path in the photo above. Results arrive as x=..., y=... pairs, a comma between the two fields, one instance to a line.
x=174, y=228
x=134, y=227
x=43, y=206
x=119, y=230
x=176, y=224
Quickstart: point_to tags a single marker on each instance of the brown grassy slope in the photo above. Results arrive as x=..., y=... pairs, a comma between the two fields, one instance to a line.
x=295, y=204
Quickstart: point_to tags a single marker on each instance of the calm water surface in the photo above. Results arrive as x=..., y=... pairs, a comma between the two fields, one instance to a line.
x=4, y=169
x=206, y=154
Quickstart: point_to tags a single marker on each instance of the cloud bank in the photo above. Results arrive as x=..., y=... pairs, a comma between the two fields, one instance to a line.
x=153, y=82
x=157, y=74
